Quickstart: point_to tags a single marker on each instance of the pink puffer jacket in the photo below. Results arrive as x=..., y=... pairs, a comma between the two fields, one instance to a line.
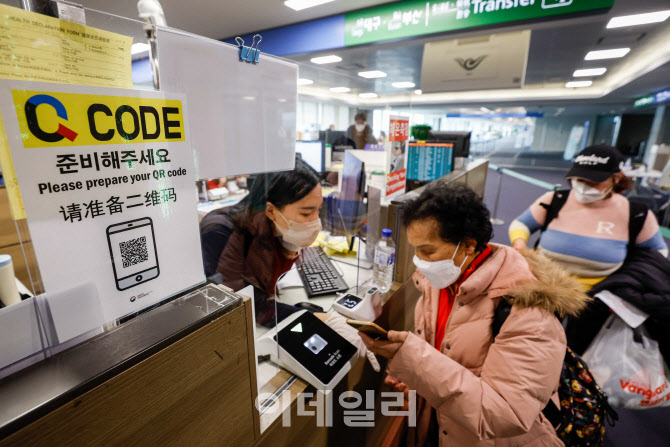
x=491, y=394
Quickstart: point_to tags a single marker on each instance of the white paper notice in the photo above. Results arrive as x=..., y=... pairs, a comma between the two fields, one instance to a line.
x=107, y=182
x=291, y=279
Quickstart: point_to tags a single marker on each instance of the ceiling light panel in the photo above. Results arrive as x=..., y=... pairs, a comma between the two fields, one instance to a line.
x=326, y=59
x=340, y=89
x=579, y=84
x=299, y=5
x=403, y=84
x=303, y=81
x=368, y=95
x=639, y=19
x=589, y=72
x=607, y=54
x=372, y=74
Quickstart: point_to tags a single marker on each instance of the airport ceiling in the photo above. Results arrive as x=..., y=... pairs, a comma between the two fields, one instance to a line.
x=557, y=47
x=219, y=19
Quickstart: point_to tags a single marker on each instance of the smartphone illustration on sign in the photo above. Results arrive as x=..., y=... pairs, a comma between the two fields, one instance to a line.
x=132, y=248
x=546, y=4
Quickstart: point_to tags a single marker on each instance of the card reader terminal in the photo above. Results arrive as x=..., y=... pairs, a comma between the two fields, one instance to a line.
x=309, y=348
x=366, y=308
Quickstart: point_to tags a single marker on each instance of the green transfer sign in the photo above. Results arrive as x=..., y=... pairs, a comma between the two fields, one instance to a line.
x=416, y=18
x=651, y=100
x=646, y=101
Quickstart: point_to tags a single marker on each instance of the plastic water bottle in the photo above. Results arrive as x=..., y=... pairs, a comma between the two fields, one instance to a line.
x=384, y=261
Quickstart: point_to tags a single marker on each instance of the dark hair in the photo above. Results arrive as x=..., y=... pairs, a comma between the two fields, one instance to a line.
x=623, y=185
x=458, y=210
x=361, y=116
x=290, y=186
x=280, y=189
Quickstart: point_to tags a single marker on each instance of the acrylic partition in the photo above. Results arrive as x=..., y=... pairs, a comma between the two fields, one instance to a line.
x=345, y=241
x=102, y=145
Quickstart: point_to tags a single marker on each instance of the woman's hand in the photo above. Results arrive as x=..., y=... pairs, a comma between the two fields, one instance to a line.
x=396, y=384
x=385, y=348
x=398, y=387
x=339, y=324
x=520, y=245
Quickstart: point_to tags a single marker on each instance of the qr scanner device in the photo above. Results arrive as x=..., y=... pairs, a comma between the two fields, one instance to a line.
x=310, y=349
x=366, y=308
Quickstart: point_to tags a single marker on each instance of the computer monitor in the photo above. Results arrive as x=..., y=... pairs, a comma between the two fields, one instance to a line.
x=311, y=153
x=460, y=140
x=330, y=136
x=353, y=178
x=346, y=211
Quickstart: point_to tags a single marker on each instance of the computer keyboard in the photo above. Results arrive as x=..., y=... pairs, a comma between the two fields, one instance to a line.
x=318, y=273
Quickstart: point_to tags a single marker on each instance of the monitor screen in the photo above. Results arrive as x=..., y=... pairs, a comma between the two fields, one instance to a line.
x=353, y=178
x=348, y=216
x=311, y=153
x=460, y=140
x=331, y=136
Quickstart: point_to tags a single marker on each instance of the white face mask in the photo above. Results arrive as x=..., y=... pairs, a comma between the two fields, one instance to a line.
x=440, y=274
x=360, y=127
x=587, y=194
x=298, y=235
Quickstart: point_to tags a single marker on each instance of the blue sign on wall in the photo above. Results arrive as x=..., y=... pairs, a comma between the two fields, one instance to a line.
x=496, y=115
x=307, y=37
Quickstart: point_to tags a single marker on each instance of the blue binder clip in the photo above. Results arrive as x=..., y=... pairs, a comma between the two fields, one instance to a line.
x=254, y=54
x=244, y=50
x=249, y=54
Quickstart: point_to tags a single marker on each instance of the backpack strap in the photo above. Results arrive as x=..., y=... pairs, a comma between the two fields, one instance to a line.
x=500, y=316
x=557, y=201
x=638, y=215
x=550, y=411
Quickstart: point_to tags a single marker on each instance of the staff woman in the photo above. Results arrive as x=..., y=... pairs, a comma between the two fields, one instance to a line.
x=280, y=217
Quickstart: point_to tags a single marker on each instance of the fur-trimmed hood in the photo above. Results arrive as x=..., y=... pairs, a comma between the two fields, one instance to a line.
x=554, y=290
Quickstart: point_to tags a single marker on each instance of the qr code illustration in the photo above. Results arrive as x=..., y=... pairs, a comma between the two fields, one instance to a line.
x=134, y=251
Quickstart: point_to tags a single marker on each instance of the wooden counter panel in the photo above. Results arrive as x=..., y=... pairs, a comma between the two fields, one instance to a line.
x=195, y=392
x=303, y=431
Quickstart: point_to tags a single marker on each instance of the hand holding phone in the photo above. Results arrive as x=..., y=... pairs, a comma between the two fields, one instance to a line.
x=369, y=328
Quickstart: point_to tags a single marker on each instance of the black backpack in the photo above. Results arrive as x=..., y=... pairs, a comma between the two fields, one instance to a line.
x=580, y=420
x=638, y=214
